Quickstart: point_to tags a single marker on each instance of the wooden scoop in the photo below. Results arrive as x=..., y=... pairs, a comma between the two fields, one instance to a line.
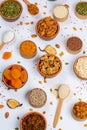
x=7, y=38
x=63, y=92
x=32, y=8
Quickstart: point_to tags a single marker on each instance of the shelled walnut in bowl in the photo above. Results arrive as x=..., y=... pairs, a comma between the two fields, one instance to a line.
x=47, y=28
x=28, y=49
x=49, y=65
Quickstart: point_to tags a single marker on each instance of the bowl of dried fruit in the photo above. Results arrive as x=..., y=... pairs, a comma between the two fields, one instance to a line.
x=49, y=65
x=79, y=111
x=47, y=28
x=10, y=10
x=33, y=121
x=15, y=76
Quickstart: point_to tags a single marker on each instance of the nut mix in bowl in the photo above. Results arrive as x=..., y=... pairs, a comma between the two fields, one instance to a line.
x=33, y=121
x=49, y=65
x=47, y=28
x=10, y=10
x=15, y=76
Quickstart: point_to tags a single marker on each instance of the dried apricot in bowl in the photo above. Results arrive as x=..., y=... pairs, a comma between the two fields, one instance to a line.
x=47, y=28
x=79, y=111
x=49, y=65
x=28, y=49
x=15, y=76
x=10, y=10
x=33, y=121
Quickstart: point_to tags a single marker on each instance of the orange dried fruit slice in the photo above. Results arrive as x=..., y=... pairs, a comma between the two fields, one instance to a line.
x=16, y=67
x=15, y=73
x=23, y=76
x=7, y=74
x=16, y=83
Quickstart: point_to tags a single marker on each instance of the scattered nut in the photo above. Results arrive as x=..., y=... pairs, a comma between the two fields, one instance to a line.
x=33, y=35
x=50, y=50
x=6, y=114
x=1, y=106
x=12, y=103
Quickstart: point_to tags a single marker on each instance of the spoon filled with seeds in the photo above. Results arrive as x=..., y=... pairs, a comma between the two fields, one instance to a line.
x=32, y=8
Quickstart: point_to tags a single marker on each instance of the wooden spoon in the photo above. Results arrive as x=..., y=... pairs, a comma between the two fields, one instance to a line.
x=7, y=38
x=32, y=8
x=63, y=92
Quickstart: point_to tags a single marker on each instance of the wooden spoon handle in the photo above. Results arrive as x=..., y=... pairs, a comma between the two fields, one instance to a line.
x=2, y=45
x=58, y=112
x=27, y=2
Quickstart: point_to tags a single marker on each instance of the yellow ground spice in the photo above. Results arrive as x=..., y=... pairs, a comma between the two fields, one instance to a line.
x=28, y=49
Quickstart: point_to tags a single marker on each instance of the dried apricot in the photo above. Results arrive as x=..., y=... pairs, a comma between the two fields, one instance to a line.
x=7, y=74
x=23, y=76
x=16, y=83
x=16, y=67
x=15, y=73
